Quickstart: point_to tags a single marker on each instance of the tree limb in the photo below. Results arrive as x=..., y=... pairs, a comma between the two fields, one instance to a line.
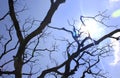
x=15, y=21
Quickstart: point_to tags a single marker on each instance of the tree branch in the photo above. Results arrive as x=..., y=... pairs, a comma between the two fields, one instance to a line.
x=4, y=16
x=74, y=55
x=46, y=20
x=15, y=21
x=6, y=72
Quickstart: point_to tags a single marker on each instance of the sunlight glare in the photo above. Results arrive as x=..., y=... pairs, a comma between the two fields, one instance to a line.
x=92, y=27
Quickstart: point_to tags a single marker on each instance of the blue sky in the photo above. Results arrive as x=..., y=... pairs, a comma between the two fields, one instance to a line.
x=71, y=10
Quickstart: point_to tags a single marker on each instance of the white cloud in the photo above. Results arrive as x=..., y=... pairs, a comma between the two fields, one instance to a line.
x=116, y=47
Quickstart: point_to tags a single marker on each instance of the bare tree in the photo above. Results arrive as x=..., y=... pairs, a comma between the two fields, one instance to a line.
x=21, y=49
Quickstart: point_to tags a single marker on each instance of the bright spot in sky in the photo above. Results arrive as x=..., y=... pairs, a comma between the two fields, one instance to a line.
x=116, y=13
x=95, y=31
x=116, y=47
x=92, y=27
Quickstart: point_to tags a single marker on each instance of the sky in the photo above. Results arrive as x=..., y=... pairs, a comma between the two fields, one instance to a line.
x=72, y=10
x=91, y=8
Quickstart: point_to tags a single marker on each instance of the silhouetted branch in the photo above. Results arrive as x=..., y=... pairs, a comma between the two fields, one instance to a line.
x=74, y=55
x=46, y=20
x=2, y=18
x=52, y=2
x=81, y=51
x=6, y=63
x=6, y=44
x=7, y=72
x=14, y=20
x=99, y=18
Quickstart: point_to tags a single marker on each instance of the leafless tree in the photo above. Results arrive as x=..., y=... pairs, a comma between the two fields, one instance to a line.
x=21, y=48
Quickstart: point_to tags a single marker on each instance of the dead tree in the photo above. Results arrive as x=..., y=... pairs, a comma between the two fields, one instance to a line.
x=23, y=42
x=21, y=47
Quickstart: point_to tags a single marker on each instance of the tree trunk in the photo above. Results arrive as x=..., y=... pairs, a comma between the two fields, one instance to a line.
x=18, y=63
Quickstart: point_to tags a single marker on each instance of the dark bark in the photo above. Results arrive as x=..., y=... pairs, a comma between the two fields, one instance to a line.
x=74, y=55
x=18, y=60
x=22, y=43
